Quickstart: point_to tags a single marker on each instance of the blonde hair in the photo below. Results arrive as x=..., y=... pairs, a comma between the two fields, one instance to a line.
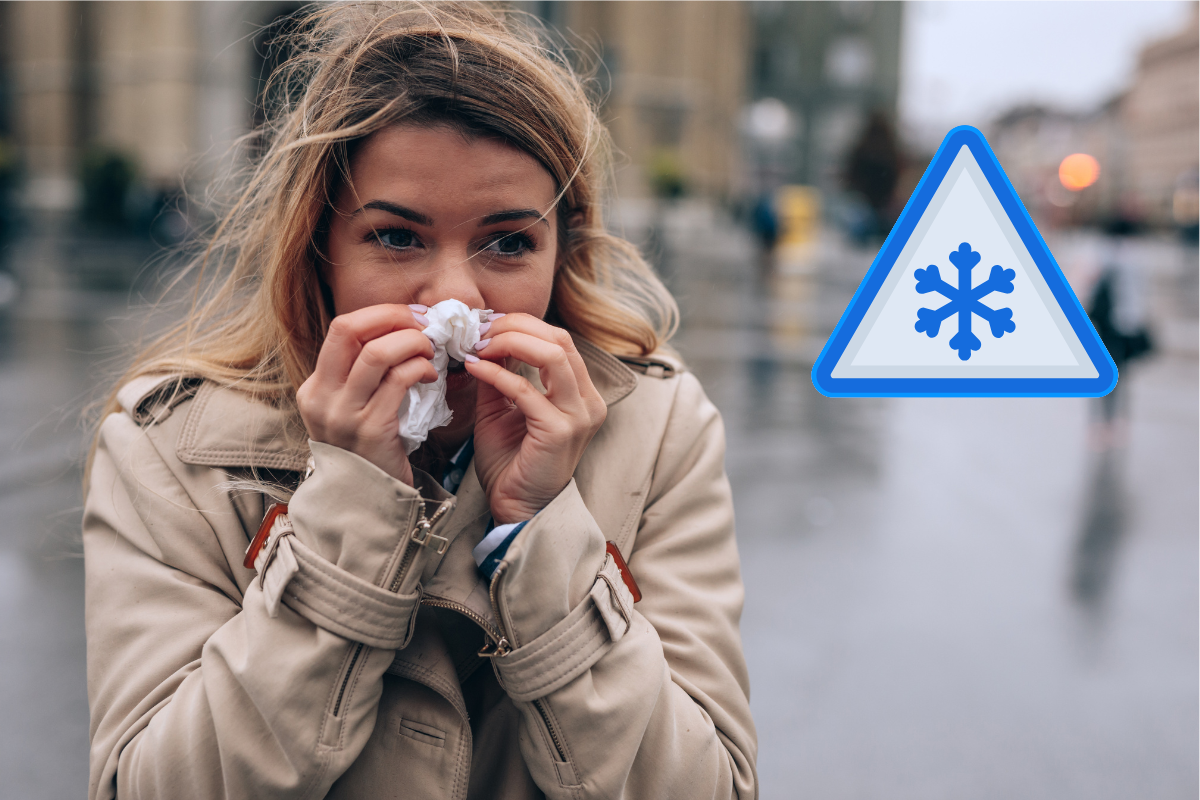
x=357, y=68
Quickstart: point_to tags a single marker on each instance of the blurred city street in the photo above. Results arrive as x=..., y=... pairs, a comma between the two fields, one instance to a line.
x=946, y=598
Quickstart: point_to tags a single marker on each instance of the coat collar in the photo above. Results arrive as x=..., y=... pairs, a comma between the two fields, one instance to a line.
x=228, y=428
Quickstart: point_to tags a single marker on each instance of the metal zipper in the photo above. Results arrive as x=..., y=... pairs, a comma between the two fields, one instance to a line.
x=501, y=645
x=489, y=629
x=420, y=537
x=558, y=748
x=337, y=706
x=406, y=560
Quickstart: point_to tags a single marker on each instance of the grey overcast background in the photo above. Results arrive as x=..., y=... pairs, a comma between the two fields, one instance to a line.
x=965, y=62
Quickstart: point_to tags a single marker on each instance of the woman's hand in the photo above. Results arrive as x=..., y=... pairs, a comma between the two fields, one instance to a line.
x=527, y=444
x=367, y=363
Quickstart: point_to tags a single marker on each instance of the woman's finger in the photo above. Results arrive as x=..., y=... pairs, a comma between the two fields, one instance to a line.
x=348, y=333
x=378, y=356
x=543, y=330
x=548, y=358
x=489, y=400
x=389, y=394
x=521, y=392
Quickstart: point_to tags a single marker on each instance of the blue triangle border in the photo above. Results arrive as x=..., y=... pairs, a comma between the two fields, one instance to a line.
x=822, y=370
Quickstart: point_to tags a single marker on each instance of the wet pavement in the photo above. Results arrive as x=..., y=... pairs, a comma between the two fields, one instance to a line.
x=57, y=342
x=959, y=598
x=945, y=598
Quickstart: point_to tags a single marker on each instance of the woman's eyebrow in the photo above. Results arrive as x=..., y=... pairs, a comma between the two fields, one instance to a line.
x=399, y=211
x=509, y=216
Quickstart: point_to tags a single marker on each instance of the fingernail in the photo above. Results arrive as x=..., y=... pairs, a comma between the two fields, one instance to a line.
x=495, y=315
x=482, y=344
x=470, y=359
x=484, y=328
x=421, y=318
x=418, y=308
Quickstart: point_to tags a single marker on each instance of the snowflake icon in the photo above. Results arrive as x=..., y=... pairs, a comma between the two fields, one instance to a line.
x=964, y=300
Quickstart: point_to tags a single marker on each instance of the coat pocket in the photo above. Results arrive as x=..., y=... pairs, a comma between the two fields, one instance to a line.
x=427, y=734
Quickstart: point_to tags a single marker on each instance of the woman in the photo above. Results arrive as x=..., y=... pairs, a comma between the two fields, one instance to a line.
x=382, y=642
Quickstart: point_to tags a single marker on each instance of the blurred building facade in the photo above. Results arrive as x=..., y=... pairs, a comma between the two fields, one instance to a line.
x=1146, y=140
x=168, y=86
x=719, y=100
x=1032, y=140
x=165, y=86
x=832, y=65
x=673, y=79
x=1161, y=117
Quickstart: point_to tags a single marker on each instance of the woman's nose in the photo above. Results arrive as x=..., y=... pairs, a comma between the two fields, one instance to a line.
x=451, y=278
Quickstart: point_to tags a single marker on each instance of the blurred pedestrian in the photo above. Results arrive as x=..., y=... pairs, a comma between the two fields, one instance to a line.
x=872, y=171
x=1117, y=308
x=456, y=620
x=764, y=221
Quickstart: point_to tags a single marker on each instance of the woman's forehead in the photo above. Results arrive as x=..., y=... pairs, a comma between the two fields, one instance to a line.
x=440, y=168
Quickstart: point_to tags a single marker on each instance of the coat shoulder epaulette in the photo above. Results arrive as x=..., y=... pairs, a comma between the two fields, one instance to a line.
x=149, y=399
x=653, y=367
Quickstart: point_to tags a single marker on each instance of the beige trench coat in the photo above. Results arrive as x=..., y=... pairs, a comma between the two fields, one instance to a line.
x=350, y=668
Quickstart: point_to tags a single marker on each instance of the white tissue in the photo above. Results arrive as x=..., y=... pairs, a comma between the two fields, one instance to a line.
x=454, y=330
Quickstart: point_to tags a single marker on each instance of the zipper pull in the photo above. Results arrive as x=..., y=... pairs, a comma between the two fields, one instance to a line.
x=423, y=534
x=422, y=539
x=502, y=646
x=498, y=650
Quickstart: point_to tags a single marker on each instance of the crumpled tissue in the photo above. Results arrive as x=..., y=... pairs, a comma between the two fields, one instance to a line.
x=454, y=330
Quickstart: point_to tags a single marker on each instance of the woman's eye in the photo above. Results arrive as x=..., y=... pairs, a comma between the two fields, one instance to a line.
x=515, y=244
x=397, y=239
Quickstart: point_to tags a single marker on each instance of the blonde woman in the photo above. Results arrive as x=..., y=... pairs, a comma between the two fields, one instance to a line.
x=543, y=598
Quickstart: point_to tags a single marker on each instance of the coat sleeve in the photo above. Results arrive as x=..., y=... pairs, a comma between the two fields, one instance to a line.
x=645, y=701
x=196, y=691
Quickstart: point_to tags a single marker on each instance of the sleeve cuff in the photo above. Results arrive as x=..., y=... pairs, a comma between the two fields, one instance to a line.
x=353, y=514
x=549, y=568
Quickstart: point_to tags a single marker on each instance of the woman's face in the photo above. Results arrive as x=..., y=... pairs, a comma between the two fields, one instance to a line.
x=429, y=215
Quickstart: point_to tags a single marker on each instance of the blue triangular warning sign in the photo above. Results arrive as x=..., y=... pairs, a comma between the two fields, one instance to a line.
x=964, y=299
